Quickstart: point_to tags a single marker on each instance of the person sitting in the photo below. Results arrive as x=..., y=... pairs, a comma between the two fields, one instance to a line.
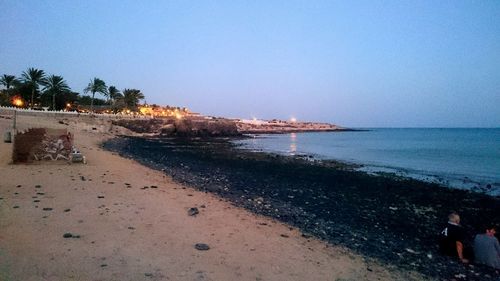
x=487, y=248
x=451, y=239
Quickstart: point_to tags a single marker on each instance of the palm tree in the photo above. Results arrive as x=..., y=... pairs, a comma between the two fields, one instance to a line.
x=8, y=80
x=96, y=86
x=113, y=93
x=55, y=84
x=33, y=78
x=132, y=97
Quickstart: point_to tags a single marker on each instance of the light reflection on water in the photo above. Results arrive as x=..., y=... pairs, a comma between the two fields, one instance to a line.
x=293, y=143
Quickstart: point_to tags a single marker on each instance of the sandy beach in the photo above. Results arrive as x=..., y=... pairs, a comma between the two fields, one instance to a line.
x=130, y=222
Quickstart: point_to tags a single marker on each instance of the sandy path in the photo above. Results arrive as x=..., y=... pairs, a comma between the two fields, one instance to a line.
x=137, y=233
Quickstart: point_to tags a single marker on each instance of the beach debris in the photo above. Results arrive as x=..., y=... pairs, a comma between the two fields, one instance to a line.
x=47, y=209
x=36, y=201
x=38, y=186
x=284, y=235
x=83, y=178
x=7, y=137
x=67, y=235
x=131, y=227
x=15, y=207
x=411, y=251
x=100, y=196
x=67, y=210
x=76, y=156
x=193, y=211
x=154, y=186
x=201, y=247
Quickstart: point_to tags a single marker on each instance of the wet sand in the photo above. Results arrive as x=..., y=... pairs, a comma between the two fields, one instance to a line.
x=129, y=222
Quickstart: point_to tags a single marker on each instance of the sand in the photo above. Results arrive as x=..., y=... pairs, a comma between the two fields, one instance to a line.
x=129, y=232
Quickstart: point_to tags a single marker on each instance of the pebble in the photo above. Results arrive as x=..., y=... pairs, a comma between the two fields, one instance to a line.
x=201, y=247
x=193, y=211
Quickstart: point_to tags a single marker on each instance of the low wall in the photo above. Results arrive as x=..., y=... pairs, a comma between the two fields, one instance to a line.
x=65, y=114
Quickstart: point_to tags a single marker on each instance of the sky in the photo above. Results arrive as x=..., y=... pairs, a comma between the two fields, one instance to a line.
x=352, y=63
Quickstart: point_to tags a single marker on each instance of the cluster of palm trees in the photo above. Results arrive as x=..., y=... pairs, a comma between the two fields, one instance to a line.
x=53, y=91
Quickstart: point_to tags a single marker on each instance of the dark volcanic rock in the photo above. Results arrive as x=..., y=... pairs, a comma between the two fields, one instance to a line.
x=202, y=247
x=193, y=211
x=185, y=127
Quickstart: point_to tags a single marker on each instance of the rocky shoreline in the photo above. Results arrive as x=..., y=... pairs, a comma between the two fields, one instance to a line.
x=392, y=219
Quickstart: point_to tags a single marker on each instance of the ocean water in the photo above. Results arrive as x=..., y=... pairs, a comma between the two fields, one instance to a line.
x=460, y=158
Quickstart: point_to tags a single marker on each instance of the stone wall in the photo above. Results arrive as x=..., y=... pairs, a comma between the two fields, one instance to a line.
x=42, y=144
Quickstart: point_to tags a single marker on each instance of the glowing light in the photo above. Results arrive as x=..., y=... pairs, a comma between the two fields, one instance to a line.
x=68, y=105
x=178, y=115
x=293, y=119
x=18, y=102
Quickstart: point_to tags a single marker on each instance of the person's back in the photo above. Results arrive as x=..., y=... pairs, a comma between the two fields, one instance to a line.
x=448, y=238
x=487, y=248
x=451, y=239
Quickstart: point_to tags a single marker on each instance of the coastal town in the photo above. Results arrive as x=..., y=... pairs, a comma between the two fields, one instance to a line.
x=34, y=91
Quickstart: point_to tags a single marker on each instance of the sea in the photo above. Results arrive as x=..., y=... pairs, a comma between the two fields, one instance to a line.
x=464, y=158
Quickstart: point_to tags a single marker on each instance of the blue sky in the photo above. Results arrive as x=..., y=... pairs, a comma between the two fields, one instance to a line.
x=353, y=63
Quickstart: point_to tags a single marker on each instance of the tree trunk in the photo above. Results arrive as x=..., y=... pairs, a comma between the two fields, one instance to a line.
x=92, y=103
x=54, y=101
x=32, y=97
